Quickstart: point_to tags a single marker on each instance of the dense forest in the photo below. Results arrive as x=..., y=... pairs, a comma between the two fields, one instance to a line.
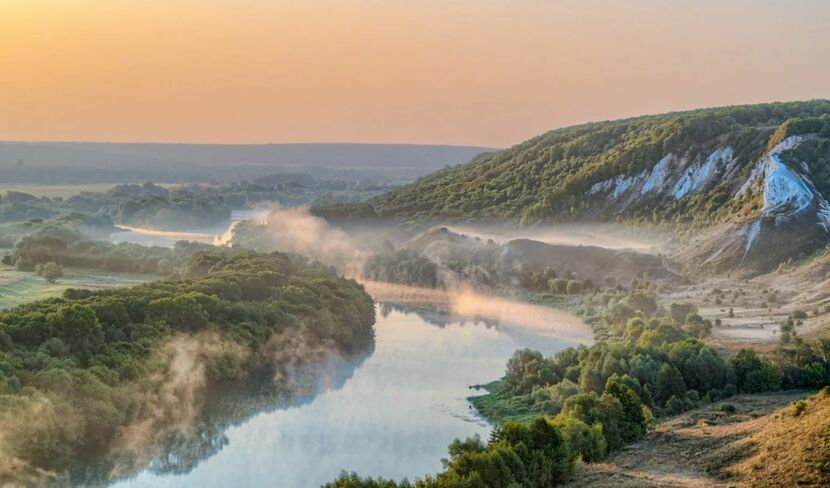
x=551, y=176
x=90, y=364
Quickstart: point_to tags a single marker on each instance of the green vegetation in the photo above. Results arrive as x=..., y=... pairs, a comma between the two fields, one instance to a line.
x=652, y=362
x=31, y=252
x=515, y=455
x=659, y=354
x=402, y=266
x=49, y=271
x=336, y=211
x=178, y=207
x=547, y=281
x=549, y=177
x=140, y=205
x=20, y=287
x=84, y=364
x=69, y=227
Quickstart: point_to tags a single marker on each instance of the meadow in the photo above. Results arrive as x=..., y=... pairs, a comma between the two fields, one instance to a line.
x=19, y=287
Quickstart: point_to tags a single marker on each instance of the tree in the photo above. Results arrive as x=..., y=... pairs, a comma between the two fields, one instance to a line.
x=669, y=382
x=49, y=271
x=79, y=329
x=679, y=311
x=527, y=369
x=586, y=441
x=633, y=425
x=823, y=348
x=590, y=408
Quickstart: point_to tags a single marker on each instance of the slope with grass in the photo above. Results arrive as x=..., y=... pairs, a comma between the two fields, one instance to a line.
x=619, y=167
x=750, y=440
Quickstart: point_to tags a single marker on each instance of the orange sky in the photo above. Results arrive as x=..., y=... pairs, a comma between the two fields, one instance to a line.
x=478, y=72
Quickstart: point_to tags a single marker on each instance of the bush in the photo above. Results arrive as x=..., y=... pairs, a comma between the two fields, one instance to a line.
x=558, y=285
x=585, y=441
x=574, y=287
x=799, y=315
x=798, y=407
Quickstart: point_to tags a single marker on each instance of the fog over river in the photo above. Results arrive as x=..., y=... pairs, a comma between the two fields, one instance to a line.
x=394, y=416
x=391, y=413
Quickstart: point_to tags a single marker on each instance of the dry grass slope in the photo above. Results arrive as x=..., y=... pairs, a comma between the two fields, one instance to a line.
x=774, y=440
x=792, y=448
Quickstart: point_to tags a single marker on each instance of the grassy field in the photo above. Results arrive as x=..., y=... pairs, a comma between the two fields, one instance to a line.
x=18, y=287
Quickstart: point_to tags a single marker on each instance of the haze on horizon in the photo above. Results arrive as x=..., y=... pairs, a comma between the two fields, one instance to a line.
x=472, y=72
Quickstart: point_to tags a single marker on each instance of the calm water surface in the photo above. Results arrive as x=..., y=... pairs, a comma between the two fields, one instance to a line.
x=394, y=416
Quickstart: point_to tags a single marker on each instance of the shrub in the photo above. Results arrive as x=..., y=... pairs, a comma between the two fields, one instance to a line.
x=574, y=287
x=798, y=407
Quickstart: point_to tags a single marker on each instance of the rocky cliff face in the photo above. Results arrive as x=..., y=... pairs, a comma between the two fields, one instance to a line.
x=784, y=214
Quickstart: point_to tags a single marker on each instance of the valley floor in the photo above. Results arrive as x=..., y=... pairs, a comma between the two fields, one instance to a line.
x=19, y=287
x=751, y=310
x=711, y=447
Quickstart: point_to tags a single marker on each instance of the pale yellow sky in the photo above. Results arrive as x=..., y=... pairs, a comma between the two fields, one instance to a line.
x=478, y=72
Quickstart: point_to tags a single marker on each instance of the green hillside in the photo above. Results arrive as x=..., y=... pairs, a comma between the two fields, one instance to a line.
x=550, y=177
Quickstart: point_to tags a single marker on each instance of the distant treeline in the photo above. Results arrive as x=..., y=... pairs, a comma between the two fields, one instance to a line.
x=186, y=206
x=30, y=252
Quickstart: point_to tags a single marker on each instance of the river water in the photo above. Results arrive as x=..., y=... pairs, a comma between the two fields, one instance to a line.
x=393, y=415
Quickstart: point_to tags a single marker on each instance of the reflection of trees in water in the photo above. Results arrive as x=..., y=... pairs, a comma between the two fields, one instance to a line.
x=225, y=405
x=438, y=318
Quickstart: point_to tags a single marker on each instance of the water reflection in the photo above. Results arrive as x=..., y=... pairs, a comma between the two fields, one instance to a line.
x=392, y=414
x=432, y=316
x=225, y=406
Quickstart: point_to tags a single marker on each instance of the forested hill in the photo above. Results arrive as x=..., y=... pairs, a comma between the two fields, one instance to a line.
x=688, y=166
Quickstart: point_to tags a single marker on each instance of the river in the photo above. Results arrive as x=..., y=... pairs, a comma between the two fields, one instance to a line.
x=393, y=416
x=391, y=413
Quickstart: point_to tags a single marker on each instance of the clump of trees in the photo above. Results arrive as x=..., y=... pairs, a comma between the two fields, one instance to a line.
x=547, y=281
x=401, y=266
x=516, y=454
x=338, y=211
x=33, y=252
x=81, y=361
